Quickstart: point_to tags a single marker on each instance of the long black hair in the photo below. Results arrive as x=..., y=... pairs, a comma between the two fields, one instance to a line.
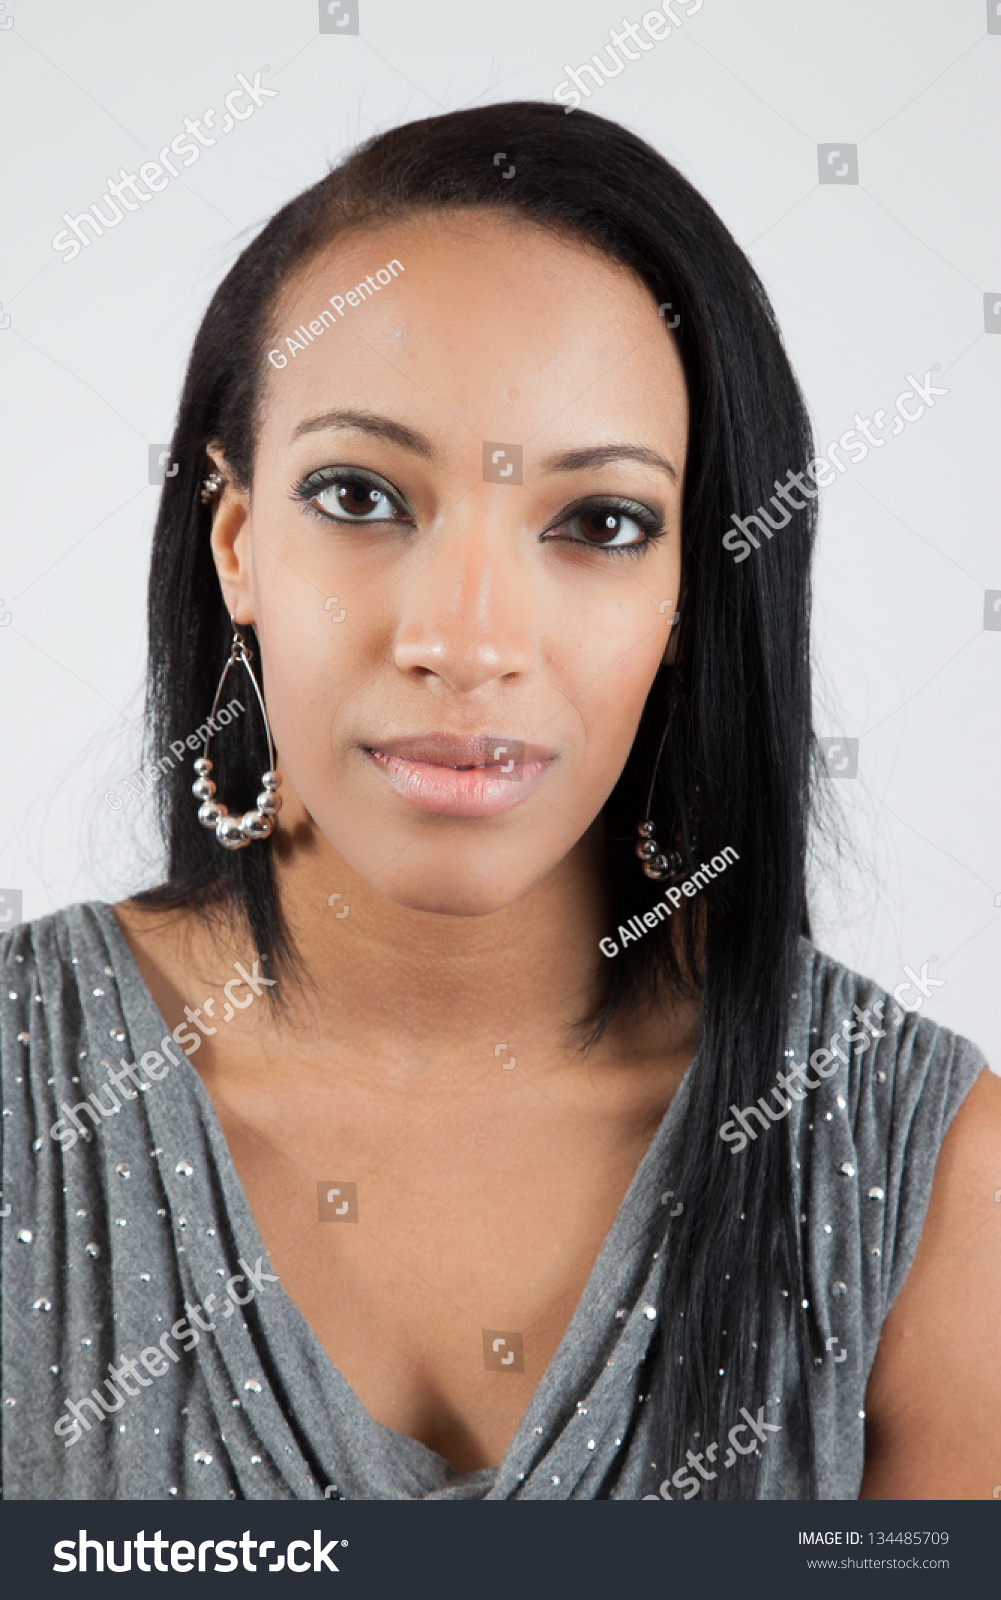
x=738, y=764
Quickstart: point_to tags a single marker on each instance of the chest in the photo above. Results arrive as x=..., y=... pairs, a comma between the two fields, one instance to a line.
x=436, y=1240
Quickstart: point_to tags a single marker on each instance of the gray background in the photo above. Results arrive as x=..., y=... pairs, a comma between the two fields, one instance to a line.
x=871, y=281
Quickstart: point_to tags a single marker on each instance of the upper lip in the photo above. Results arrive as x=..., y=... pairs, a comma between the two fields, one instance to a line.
x=461, y=750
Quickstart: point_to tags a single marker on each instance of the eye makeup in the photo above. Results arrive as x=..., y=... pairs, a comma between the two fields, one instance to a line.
x=612, y=524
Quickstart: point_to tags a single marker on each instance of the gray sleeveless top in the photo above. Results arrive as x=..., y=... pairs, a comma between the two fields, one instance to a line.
x=119, y=1249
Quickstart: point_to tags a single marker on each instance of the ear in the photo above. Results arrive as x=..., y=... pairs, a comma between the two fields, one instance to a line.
x=230, y=540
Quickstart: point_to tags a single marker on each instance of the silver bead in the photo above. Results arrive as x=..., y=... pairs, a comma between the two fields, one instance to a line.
x=272, y=780
x=230, y=833
x=646, y=830
x=203, y=765
x=269, y=801
x=658, y=868
x=648, y=849
x=210, y=812
x=255, y=825
x=203, y=788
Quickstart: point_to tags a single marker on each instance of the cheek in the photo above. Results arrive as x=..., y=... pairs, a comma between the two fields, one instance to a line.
x=318, y=643
x=613, y=672
x=613, y=710
x=307, y=679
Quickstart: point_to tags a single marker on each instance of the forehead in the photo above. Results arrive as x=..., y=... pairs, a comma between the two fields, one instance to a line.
x=477, y=321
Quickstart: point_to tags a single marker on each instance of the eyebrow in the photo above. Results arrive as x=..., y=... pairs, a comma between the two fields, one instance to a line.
x=367, y=422
x=600, y=455
x=579, y=460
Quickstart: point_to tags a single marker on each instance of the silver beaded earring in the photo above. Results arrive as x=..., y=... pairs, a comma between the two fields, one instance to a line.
x=235, y=832
x=657, y=864
x=211, y=486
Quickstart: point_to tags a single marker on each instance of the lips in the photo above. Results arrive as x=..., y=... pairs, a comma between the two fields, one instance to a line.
x=457, y=775
x=456, y=750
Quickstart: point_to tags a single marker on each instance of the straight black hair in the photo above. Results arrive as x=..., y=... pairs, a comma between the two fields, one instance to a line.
x=739, y=762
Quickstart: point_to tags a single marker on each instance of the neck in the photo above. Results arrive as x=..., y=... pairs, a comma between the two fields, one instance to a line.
x=423, y=996
x=431, y=987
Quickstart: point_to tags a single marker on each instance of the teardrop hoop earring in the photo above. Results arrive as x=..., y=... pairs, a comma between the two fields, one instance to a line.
x=655, y=863
x=235, y=832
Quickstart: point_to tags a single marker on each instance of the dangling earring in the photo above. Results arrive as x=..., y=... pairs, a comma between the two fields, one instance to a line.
x=235, y=832
x=656, y=864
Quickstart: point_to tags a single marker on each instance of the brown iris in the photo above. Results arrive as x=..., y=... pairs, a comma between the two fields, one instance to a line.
x=357, y=497
x=601, y=526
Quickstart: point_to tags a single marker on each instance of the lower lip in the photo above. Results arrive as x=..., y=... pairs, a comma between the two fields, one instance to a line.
x=458, y=792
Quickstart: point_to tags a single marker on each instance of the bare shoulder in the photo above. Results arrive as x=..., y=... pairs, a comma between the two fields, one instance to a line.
x=933, y=1406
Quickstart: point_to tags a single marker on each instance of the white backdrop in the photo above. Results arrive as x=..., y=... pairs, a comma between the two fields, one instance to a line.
x=895, y=274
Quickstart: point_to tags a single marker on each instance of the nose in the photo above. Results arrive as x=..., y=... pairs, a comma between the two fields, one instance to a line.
x=466, y=615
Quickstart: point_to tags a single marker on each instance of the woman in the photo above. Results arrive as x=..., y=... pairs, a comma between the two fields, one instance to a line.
x=523, y=1188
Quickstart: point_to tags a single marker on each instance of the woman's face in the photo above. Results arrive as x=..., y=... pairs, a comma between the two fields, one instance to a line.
x=461, y=549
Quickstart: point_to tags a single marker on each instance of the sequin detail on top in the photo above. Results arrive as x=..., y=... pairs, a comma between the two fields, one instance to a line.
x=298, y=1427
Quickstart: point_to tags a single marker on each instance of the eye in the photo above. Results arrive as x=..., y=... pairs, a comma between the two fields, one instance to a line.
x=347, y=494
x=608, y=525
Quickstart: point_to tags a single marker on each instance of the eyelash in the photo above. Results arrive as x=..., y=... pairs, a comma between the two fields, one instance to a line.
x=650, y=524
x=307, y=489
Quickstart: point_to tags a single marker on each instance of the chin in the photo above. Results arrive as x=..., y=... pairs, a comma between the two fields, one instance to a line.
x=446, y=872
x=453, y=878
